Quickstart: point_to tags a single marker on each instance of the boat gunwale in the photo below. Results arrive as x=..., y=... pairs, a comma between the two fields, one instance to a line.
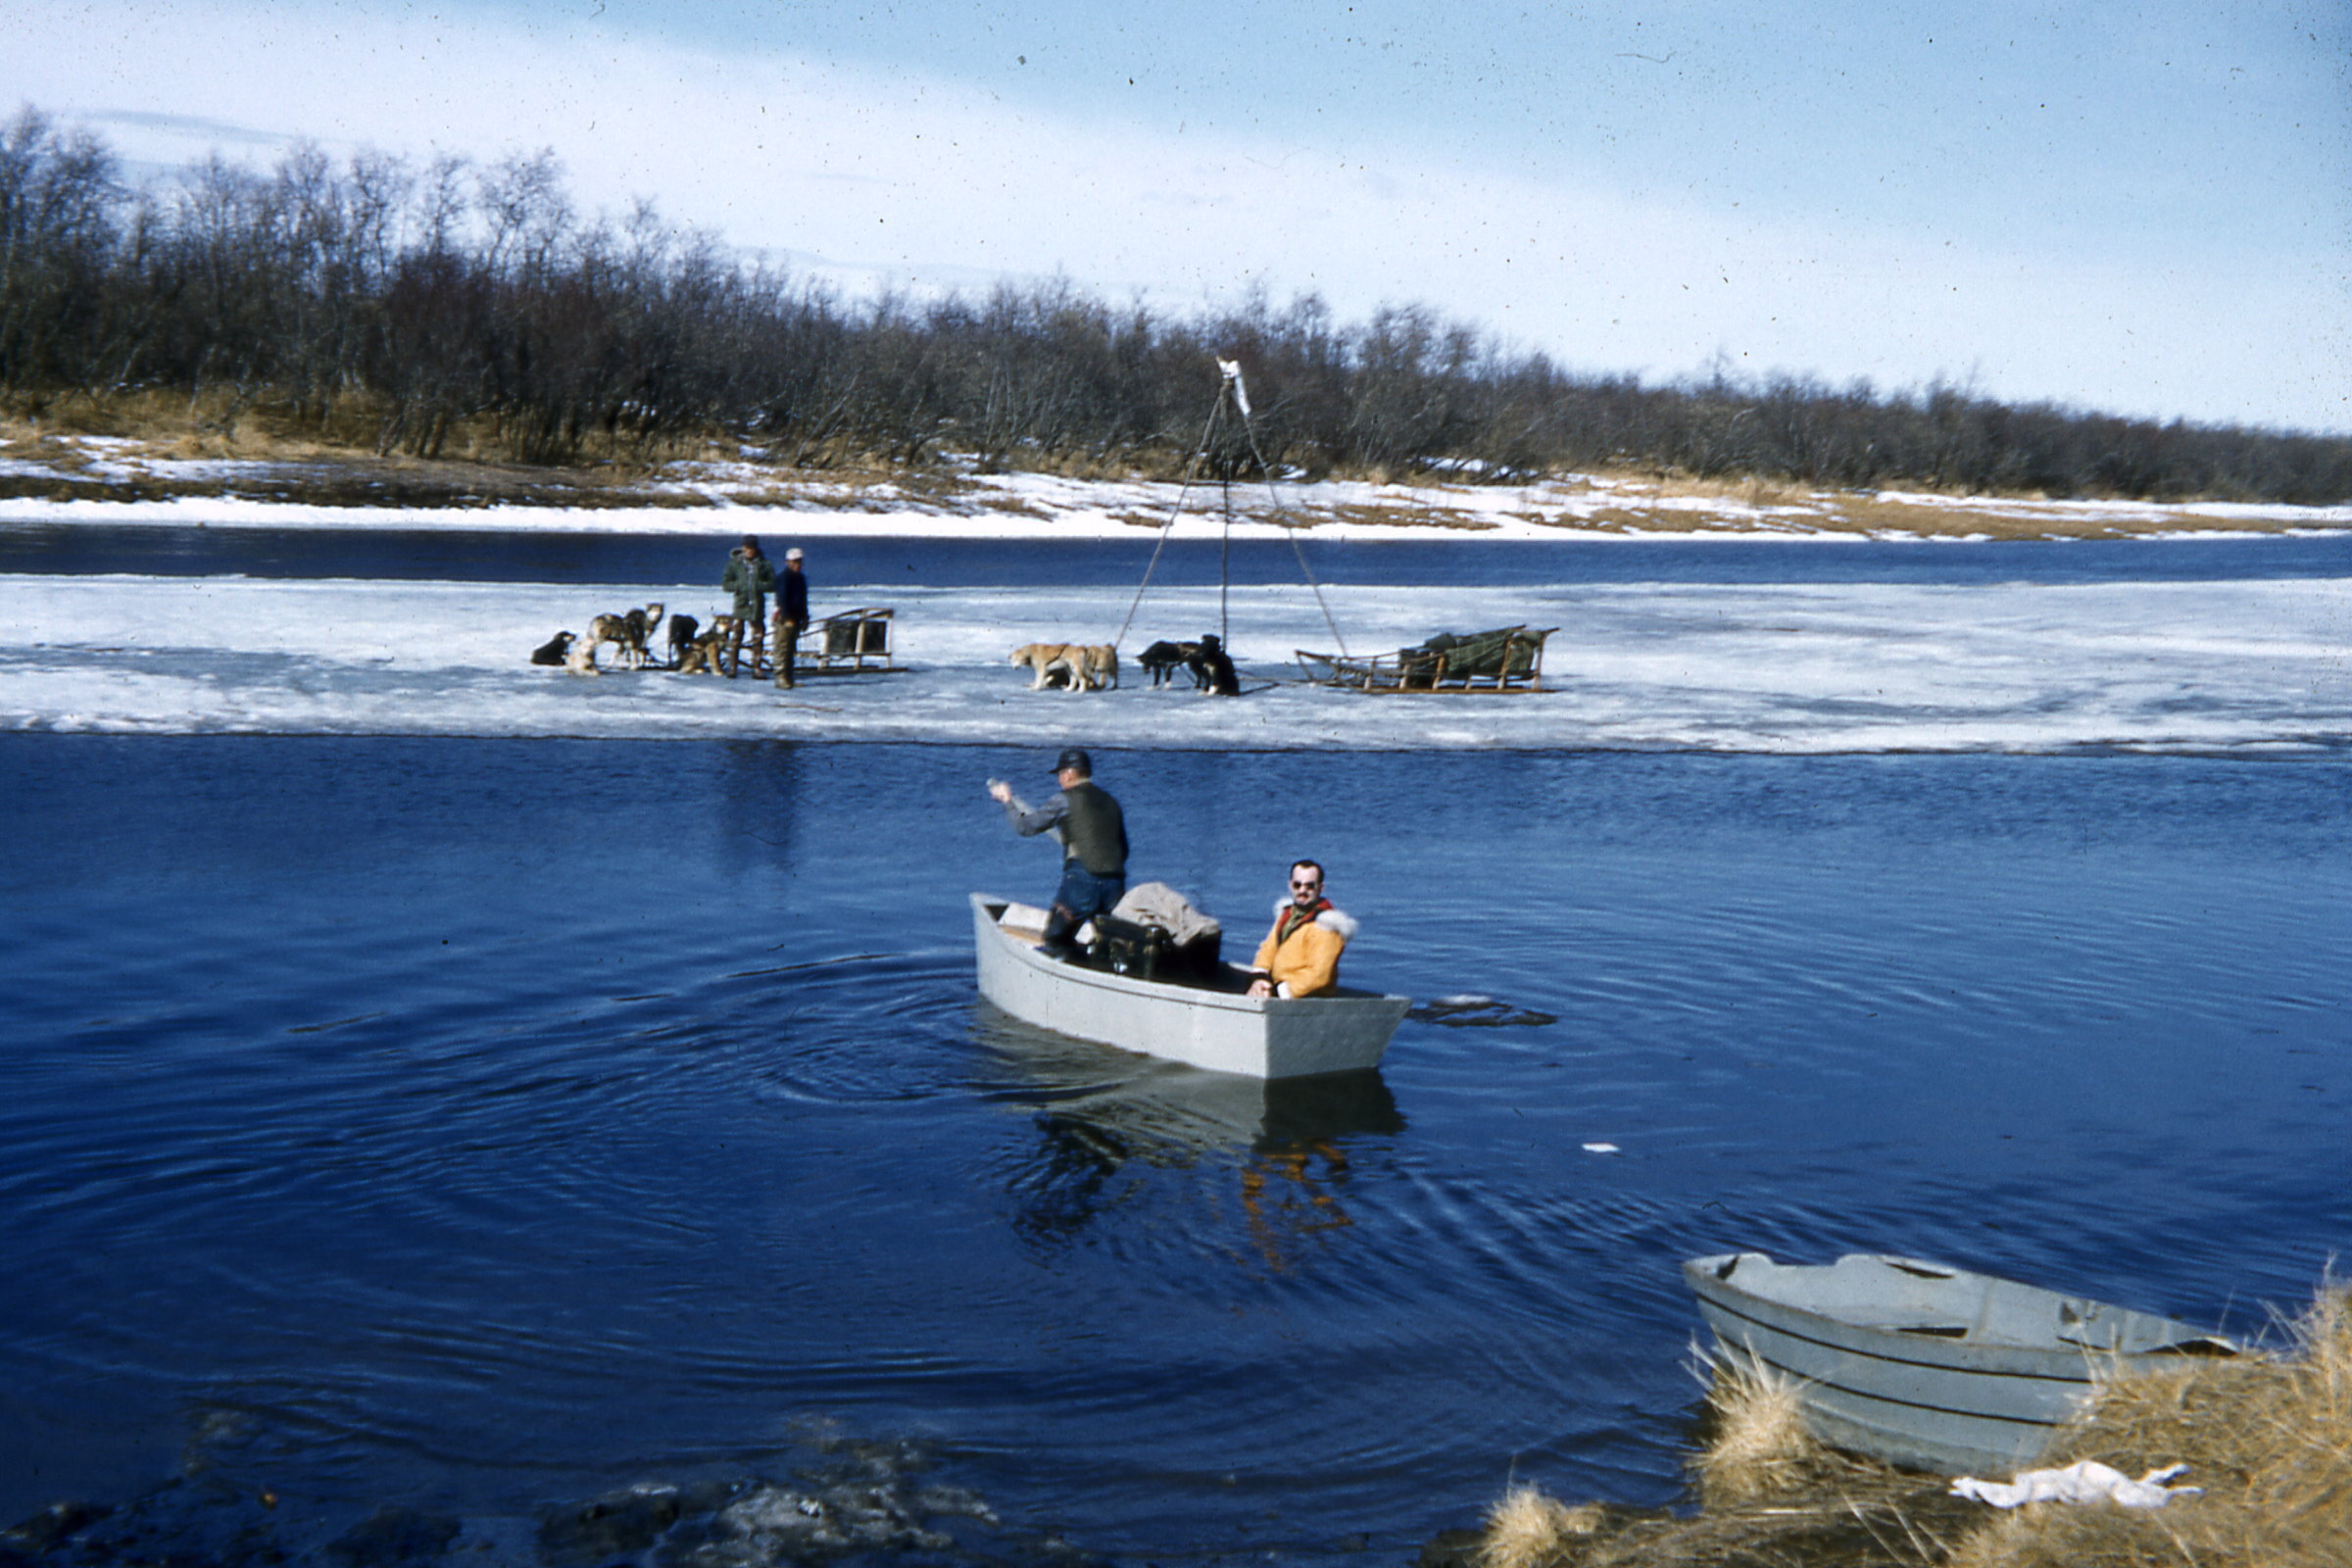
x=1964, y=1356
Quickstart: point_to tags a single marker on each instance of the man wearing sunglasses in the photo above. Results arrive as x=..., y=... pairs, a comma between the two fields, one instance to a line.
x=1300, y=956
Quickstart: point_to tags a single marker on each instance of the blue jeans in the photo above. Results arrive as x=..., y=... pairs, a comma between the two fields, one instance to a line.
x=1081, y=896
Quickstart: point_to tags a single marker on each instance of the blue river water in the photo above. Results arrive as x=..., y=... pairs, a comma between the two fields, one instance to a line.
x=485, y=1124
x=547, y=556
x=481, y=1126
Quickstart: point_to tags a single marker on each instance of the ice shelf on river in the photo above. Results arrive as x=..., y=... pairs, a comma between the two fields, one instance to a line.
x=2215, y=666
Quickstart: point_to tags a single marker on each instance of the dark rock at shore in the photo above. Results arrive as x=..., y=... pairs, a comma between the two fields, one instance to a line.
x=48, y=1530
x=619, y=1525
x=1452, y=1548
x=860, y=1504
x=181, y=1524
x=394, y=1538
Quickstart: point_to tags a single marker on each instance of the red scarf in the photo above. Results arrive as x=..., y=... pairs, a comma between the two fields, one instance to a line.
x=1292, y=918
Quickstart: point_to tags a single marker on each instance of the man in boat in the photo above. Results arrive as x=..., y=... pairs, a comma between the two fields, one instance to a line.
x=1093, y=832
x=751, y=577
x=1300, y=956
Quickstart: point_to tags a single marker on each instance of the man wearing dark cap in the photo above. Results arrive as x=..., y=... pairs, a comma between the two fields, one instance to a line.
x=750, y=576
x=1094, y=846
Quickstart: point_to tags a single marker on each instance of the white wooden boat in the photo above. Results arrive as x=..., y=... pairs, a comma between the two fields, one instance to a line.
x=1925, y=1365
x=1223, y=1031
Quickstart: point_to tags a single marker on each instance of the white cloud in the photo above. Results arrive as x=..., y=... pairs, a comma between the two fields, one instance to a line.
x=881, y=173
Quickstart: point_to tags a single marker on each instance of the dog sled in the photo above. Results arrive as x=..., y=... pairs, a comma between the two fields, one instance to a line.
x=1508, y=659
x=1210, y=1022
x=851, y=643
x=853, y=640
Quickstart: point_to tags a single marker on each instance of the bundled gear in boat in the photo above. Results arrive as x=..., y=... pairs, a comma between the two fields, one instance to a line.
x=1157, y=934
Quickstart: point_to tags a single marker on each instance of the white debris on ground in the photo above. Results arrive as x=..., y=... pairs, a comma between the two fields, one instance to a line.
x=2086, y=1481
x=2223, y=665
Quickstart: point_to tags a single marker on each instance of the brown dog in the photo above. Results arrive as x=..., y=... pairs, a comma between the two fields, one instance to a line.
x=703, y=652
x=1086, y=666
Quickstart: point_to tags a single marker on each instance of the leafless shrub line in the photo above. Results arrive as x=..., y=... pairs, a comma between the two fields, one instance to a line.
x=407, y=306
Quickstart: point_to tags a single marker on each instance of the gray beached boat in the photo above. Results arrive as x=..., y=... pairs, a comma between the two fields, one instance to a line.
x=1927, y=1365
x=1222, y=1030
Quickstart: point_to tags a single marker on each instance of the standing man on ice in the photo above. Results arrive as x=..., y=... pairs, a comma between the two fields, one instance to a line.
x=751, y=577
x=792, y=613
x=1094, y=846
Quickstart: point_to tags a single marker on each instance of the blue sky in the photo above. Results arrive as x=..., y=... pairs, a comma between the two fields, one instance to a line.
x=2140, y=208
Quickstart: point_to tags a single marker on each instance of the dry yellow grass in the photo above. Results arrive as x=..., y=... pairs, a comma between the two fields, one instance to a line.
x=1759, y=1445
x=2269, y=1438
x=1746, y=489
x=1529, y=1529
x=1395, y=514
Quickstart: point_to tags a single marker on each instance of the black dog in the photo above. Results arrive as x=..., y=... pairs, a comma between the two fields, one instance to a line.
x=681, y=637
x=1160, y=662
x=1212, y=670
x=551, y=651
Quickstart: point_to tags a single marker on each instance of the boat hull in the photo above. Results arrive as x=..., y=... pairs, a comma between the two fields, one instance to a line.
x=1925, y=1365
x=1257, y=1037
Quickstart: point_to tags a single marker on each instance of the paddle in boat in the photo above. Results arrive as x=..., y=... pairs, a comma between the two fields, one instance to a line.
x=1214, y=1025
x=1927, y=1365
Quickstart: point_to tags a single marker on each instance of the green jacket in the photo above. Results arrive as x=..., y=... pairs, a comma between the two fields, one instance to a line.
x=753, y=579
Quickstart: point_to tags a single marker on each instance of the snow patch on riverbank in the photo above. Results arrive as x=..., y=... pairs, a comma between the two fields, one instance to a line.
x=720, y=498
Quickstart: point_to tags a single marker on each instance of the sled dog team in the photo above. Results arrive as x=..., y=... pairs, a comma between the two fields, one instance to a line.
x=1094, y=667
x=692, y=649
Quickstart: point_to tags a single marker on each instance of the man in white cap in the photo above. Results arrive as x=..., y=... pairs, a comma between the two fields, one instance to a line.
x=792, y=613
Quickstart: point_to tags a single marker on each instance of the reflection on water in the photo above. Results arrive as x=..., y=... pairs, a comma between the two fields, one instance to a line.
x=1290, y=1194
x=489, y=1128
x=1097, y=1110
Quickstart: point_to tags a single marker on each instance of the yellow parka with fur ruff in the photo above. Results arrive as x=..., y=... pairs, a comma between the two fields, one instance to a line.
x=1307, y=962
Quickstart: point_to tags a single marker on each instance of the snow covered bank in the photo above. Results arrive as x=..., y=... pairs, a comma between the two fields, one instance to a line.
x=1791, y=669
x=721, y=497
